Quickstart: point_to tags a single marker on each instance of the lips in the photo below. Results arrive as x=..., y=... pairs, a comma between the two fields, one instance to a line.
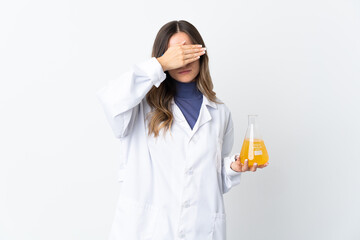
x=185, y=71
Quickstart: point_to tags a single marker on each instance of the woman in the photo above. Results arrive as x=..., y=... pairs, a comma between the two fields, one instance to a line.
x=175, y=139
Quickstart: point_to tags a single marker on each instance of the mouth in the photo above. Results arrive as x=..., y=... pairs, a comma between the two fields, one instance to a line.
x=185, y=72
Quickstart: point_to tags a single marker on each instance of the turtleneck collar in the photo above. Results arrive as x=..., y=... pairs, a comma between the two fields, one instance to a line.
x=186, y=90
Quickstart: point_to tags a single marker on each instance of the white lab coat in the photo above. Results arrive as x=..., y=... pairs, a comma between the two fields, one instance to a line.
x=172, y=186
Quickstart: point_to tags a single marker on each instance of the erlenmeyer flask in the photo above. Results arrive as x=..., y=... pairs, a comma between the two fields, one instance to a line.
x=253, y=147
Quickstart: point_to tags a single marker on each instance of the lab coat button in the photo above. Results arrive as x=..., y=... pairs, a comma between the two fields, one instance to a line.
x=186, y=204
x=189, y=172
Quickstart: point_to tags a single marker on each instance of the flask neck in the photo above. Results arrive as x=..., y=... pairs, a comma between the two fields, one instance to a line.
x=252, y=119
x=252, y=131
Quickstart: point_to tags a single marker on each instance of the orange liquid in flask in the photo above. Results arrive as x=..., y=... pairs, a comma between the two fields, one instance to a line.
x=254, y=151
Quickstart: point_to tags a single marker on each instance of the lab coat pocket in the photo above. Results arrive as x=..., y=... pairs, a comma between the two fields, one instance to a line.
x=218, y=154
x=134, y=220
x=219, y=228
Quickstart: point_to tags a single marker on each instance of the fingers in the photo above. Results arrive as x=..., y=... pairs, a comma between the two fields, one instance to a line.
x=236, y=166
x=245, y=166
x=194, y=50
x=192, y=59
x=263, y=165
x=191, y=46
x=193, y=53
x=187, y=53
x=193, y=56
x=253, y=168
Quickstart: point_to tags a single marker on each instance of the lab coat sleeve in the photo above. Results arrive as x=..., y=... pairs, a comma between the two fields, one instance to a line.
x=121, y=97
x=230, y=178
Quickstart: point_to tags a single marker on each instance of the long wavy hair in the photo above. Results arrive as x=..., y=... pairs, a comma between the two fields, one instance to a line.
x=160, y=98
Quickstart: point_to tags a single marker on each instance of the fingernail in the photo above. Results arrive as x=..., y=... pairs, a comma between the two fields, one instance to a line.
x=255, y=164
x=204, y=48
x=246, y=160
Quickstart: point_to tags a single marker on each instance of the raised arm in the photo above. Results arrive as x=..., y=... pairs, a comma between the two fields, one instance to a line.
x=120, y=98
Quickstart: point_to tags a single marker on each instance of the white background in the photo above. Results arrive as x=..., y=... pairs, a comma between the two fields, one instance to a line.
x=294, y=63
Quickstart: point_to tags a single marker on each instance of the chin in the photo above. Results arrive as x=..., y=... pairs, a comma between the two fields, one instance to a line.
x=185, y=79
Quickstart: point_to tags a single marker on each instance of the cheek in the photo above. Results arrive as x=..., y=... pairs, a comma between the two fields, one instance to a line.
x=172, y=73
x=196, y=67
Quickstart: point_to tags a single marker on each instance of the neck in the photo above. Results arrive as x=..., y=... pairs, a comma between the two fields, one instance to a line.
x=186, y=90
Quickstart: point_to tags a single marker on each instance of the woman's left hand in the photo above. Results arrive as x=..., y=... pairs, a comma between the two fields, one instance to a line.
x=237, y=166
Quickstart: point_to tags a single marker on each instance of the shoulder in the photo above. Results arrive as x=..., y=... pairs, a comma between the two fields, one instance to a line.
x=220, y=112
x=222, y=107
x=223, y=117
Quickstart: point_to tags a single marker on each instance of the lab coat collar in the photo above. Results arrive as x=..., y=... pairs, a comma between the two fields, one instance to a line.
x=204, y=116
x=209, y=103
